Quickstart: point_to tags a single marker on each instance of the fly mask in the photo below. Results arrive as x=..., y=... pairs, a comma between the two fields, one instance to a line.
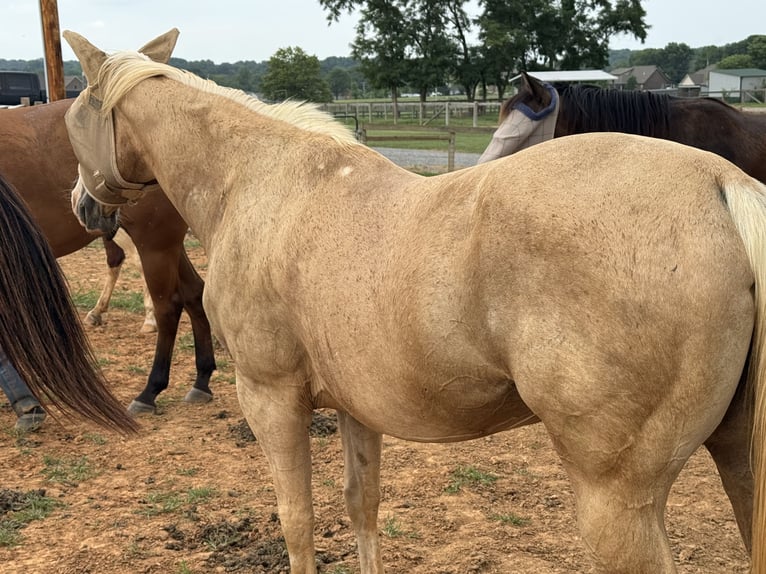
x=523, y=128
x=91, y=133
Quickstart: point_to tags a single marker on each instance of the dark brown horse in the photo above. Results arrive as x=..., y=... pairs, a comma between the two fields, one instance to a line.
x=704, y=123
x=37, y=159
x=39, y=327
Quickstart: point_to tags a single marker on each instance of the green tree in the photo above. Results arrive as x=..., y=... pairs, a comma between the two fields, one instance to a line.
x=675, y=61
x=339, y=81
x=735, y=61
x=756, y=49
x=293, y=74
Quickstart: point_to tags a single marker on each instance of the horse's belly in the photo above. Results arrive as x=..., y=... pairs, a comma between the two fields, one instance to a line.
x=452, y=408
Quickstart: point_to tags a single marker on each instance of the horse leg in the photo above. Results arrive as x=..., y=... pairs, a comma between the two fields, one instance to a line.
x=729, y=445
x=115, y=257
x=361, y=454
x=150, y=322
x=191, y=288
x=624, y=454
x=278, y=415
x=163, y=287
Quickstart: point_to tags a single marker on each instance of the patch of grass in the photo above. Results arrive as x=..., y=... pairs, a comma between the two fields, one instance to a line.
x=339, y=570
x=393, y=529
x=185, y=342
x=168, y=502
x=191, y=242
x=30, y=506
x=183, y=568
x=511, y=518
x=188, y=471
x=200, y=495
x=67, y=470
x=468, y=476
x=162, y=503
x=95, y=438
x=131, y=301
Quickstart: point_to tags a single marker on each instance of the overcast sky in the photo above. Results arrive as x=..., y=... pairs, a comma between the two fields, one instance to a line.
x=233, y=30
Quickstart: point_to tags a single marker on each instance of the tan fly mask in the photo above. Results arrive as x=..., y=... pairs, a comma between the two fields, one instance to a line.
x=523, y=128
x=91, y=133
x=92, y=136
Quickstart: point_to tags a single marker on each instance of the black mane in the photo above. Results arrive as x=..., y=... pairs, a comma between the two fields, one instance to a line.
x=591, y=108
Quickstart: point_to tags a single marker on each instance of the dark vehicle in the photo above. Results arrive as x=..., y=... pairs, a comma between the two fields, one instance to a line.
x=17, y=85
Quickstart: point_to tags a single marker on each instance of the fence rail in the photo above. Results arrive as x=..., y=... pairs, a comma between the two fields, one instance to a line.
x=449, y=137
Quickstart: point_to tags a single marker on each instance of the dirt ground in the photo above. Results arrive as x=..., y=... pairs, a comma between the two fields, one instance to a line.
x=192, y=493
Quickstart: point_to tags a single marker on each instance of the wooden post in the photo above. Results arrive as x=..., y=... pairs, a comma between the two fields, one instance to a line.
x=451, y=152
x=54, y=64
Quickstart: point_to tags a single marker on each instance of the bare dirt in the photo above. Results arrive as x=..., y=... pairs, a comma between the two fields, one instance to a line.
x=192, y=493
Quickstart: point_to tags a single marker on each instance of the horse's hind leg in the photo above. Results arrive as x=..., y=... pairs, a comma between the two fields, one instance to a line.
x=729, y=445
x=361, y=454
x=191, y=288
x=115, y=257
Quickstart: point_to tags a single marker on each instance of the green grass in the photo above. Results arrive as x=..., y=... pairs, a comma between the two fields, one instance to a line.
x=132, y=301
x=67, y=470
x=34, y=506
x=465, y=142
x=169, y=502
x=468, y=476
x=393, y=529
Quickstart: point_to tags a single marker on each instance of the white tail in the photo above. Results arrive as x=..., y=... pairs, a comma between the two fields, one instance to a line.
x=747, y=205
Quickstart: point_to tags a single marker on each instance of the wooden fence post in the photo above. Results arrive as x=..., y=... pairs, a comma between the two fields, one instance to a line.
x=54, y=64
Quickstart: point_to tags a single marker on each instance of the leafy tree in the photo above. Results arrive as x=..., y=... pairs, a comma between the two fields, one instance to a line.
x=565, y=34
x=433, y=52
x=675, y=61
x=756, y=49
x=339, y=81
x=736, y=61
x=294, y=74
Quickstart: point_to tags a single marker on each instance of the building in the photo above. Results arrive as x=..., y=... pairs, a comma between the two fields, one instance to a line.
x=574, y=76
x=641, y=78
x=741, y=84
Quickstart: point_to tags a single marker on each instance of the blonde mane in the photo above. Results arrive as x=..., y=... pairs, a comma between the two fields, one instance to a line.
x=122, y=71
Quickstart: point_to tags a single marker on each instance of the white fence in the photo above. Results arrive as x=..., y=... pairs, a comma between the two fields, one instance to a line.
x=428, y=113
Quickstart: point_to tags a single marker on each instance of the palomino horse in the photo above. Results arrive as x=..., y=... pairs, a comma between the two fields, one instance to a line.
x=617, y=306
x=37, y=159
x=39, y=327
x=704, y=123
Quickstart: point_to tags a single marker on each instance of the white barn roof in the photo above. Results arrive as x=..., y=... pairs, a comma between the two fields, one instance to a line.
x=571, y=76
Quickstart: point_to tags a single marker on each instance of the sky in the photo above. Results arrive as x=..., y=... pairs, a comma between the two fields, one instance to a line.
x=234, y=30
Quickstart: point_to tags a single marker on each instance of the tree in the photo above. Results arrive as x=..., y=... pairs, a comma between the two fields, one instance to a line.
x=567, y=34
x=735, y=61
x=339, y=81
x=756, y=49
x=675, y=61
x=293, y=74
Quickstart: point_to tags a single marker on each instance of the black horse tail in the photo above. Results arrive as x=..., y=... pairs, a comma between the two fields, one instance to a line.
x=40, y=329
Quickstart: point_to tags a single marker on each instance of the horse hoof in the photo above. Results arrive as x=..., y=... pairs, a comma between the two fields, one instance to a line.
x=196, y=396
x=92, y=319
x=138, y=408
x=149, y=326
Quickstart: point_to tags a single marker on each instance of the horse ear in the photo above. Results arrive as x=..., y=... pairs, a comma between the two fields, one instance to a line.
x=161, y=47
x=90, y=57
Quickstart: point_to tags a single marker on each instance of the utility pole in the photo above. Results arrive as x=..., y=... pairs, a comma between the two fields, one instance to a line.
x=54, y=64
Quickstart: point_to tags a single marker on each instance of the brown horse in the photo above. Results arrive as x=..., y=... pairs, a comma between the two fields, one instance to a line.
x=617, y=307
x=704, y=123
x=39, y=327
x=37, y=159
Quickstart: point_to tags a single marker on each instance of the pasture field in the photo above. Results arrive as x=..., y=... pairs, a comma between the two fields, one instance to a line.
x=192, y=493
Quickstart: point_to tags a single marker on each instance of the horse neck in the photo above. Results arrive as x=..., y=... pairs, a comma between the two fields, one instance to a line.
x=202, y=153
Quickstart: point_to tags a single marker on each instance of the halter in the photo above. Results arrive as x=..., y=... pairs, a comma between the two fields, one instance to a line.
x=91, y=133
x=525, y=129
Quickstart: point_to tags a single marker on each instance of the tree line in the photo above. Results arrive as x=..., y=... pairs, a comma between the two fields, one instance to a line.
x=426, y=46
